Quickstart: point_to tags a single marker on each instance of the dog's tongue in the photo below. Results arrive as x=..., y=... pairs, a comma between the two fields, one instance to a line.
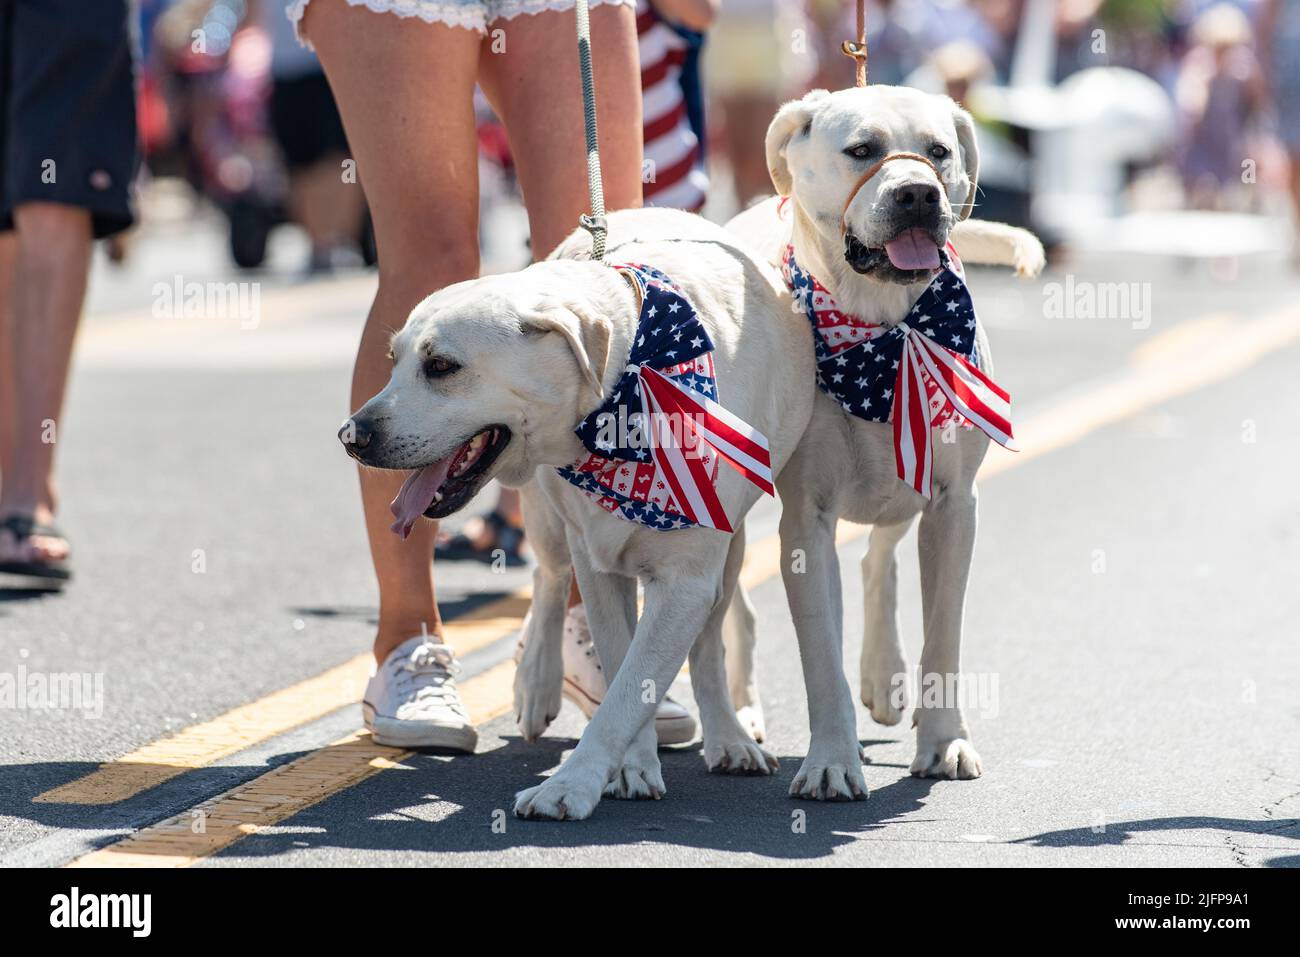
x=416, y=495
x=913, y=249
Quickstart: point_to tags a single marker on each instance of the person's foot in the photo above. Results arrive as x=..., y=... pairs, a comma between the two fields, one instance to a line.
x=585, y=685
x=485, y=538
x=31, y=545
x=412, y=701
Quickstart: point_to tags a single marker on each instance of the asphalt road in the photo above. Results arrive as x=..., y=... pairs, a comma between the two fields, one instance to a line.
x=1131, y=619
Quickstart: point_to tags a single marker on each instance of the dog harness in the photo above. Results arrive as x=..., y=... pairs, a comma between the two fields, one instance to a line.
x=656, y=440
x=921, y=373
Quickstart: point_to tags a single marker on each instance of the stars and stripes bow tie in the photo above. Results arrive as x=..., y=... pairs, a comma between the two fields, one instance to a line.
x=656, y=440
x=920, y=373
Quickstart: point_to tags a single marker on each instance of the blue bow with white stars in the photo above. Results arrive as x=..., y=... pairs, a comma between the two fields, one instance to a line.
x=861, y=376
x=917, y=373
x=669, y=334
x=656, y=442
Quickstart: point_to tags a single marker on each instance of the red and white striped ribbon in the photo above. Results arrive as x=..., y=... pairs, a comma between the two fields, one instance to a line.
x=701, y=424
x=964, y=387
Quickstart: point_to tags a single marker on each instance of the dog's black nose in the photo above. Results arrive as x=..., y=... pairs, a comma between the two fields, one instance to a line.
x=917, y=197
x=356, y=434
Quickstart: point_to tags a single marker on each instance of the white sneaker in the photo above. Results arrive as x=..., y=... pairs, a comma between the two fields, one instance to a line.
x=411, y=700
x=585, y=685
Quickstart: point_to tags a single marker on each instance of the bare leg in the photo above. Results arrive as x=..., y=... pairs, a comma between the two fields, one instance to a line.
x=51, y=266
x=404, y=89
x=539, y=63
x=328, y=208
x=539, y=67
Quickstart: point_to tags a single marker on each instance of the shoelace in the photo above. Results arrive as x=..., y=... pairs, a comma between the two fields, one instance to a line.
x=429, y=672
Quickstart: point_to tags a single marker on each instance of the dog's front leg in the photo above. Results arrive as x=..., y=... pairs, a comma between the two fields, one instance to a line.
x=670, y=623
x=833, y=768
x=611, y=612
x=539, y=680
x=946, y=545
x=728, y=746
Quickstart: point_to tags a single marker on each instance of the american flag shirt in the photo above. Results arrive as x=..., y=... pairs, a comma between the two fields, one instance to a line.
x=622, y=476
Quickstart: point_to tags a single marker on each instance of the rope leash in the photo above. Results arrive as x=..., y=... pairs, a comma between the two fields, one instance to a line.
x=857, y=49
x=594, y=222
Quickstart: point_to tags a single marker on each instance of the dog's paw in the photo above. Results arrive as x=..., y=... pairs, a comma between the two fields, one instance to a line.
x=831, y=778
x=537, y=704
x=636, y=782
x=885, y=689
x=738, y=755
x=951, y=758
x=1030, y=258
x=751, y=719
x=562, y=797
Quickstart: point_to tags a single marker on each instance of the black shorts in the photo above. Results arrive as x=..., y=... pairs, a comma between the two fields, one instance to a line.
x=306, y=120
x=67, y=88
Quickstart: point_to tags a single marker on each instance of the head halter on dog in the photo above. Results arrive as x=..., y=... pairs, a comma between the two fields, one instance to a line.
x=876, y=168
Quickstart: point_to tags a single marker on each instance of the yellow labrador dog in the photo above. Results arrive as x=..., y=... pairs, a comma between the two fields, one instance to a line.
x=875, y=184
x=490, y=380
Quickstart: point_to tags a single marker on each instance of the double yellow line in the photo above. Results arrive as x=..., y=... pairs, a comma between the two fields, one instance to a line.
x=1193, y=355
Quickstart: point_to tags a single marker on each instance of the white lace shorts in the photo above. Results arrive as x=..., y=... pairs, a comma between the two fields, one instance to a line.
x=469, y=14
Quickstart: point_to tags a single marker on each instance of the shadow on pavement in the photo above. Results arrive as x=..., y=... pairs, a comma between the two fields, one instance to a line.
x=448, y=806
x=1118, y=833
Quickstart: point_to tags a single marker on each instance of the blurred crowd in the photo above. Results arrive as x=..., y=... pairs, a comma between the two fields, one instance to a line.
x=231, y=102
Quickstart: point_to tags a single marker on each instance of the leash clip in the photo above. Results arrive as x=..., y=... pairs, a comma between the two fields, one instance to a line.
x=599, y=229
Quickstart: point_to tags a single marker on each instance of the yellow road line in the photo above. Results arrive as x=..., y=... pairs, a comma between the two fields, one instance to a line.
x=1181, y=362
x=202, y=744
x=205, y=829
x=1173, y=364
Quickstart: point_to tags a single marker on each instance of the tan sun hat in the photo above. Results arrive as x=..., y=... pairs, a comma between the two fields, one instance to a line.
x=1223, y=25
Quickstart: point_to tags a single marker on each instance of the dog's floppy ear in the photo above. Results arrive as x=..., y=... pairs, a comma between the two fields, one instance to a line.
x=970, y=154
x=789, y=120
x=586, y=334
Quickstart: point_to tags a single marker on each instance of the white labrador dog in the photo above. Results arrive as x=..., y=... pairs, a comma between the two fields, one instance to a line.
x=874, y=182
x=490, y=378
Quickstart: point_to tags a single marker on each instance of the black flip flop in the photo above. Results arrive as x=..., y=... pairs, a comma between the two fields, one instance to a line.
x=506, y=537
x=23, y=527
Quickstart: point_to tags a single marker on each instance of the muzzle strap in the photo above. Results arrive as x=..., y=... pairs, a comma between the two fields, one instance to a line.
x=876, y=168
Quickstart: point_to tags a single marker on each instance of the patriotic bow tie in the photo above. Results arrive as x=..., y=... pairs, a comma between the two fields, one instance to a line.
x=656, y=440
x=920, y=373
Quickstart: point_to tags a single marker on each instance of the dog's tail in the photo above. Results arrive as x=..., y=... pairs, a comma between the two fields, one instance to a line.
x=997, y=244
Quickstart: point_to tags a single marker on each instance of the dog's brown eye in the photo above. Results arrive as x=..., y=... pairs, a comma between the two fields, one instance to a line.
x=435, y=367
x=861, y=151
x=939, y=151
